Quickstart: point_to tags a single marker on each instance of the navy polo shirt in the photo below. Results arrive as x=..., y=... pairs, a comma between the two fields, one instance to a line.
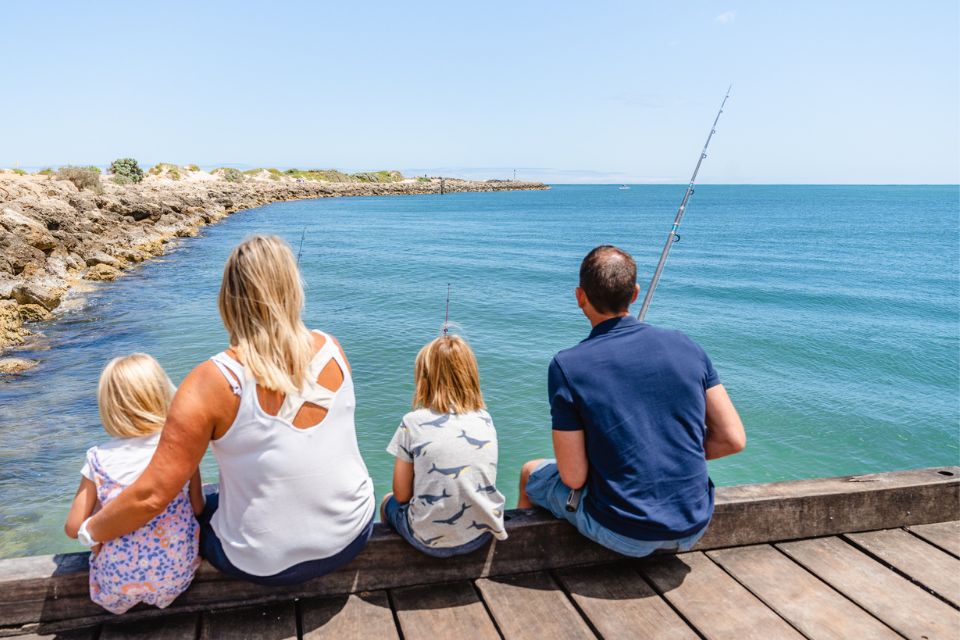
x=639, y=394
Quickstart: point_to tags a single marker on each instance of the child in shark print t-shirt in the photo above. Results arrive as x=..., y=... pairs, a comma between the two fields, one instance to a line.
x=445, y=496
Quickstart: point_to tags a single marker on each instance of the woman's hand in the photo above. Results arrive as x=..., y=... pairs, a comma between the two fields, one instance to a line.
x=203, y=404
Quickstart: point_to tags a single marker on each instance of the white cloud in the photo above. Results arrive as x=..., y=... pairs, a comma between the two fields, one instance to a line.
x=726, y=17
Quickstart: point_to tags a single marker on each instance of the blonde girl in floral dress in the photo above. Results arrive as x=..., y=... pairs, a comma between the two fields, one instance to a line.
x=155, y=563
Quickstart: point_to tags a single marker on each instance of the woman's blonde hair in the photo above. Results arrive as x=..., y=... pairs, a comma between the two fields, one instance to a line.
x=260, y=302
x=133, y=396
x=446, y=377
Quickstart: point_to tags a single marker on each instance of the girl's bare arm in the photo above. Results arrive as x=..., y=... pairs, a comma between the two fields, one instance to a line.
x=83, y=505
x=196, y=492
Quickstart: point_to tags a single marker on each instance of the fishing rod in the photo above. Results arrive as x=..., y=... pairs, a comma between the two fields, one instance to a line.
x=300, y=250
x=673, y=236
x=446, y=314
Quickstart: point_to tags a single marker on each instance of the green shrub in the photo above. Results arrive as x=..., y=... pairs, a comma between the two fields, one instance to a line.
x=47, y=171
x=424, y=179
x=126, y=168
x=19, y=171
x=192, y=167
x=231, y=175
x=82, y=177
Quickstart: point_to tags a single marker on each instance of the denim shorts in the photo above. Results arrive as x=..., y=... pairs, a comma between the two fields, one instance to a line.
x=545, y=489
x=397, y=519
x=212, y=551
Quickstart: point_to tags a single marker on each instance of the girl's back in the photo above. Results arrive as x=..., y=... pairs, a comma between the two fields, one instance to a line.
x=455, y=498
x=155, y=563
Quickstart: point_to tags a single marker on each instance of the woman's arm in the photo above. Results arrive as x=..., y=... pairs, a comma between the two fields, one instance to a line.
x=83, y=505
x=196, y=493
x=200, y=406
x=402, y=481
x=725, y=432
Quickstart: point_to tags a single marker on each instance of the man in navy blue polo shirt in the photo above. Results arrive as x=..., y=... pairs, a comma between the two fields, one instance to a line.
x=637, y=411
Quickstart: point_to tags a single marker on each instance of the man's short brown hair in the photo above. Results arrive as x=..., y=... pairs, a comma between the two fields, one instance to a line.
x=608, y=276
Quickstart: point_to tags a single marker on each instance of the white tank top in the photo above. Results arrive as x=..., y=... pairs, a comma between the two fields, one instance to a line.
x=288, y=494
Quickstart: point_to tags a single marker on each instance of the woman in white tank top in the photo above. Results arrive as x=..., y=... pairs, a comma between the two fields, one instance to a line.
x=277, y=408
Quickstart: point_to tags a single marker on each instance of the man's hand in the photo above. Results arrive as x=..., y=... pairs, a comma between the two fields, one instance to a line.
x=725, y=432
x=571, y=451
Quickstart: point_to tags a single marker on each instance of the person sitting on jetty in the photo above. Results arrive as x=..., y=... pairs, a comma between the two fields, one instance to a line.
x=445, y=501
x=277, y=408
x=133, y=396
x=636, y=411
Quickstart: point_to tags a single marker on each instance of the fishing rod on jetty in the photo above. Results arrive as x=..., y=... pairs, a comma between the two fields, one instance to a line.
x=673, y=236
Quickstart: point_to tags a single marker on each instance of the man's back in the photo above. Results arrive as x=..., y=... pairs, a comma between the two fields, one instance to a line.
x=638, y=393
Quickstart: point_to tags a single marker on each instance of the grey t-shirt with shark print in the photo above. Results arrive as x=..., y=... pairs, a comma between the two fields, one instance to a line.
x=454, y=456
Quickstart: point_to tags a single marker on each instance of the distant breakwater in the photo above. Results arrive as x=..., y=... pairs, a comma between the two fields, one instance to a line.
x=55, y=237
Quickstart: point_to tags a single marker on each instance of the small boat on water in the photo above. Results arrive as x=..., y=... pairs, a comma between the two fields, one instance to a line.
x=623, y=187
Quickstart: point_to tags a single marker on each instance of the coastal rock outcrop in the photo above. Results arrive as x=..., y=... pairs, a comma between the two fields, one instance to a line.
x=54, y=236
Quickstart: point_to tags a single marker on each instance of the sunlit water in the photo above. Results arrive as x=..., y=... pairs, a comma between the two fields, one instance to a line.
x=831, y=314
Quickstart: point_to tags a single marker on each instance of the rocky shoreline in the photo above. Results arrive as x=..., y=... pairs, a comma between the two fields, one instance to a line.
x=54, y=236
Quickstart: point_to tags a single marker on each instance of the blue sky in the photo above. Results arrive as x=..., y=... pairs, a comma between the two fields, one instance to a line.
x=824, y=92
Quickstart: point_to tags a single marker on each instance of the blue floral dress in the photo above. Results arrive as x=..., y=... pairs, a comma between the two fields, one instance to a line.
x=153, y=564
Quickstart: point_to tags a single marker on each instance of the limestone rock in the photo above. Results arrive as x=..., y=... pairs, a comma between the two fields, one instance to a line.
x=101, y=272
x=99, y=257
x=34, y=313
x=10, y=366
x=36, y=293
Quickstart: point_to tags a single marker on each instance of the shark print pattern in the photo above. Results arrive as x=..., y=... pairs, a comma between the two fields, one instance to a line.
x=454, y=458
x=453, y=472
x=417, y=451
x=479, y=526
x=439, y=422
x=426, y=498
x=453, y=519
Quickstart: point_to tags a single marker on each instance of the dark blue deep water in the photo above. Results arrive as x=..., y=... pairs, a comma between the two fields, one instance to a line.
x=830, y=312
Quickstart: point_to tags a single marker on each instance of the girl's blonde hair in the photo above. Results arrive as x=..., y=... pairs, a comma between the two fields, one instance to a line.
x=133, y=396
x=260, y=302
x=446, y=377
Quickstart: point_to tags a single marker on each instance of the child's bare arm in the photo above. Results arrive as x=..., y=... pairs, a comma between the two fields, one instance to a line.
x=196, y=492
x=82, y=508
x=402, y=480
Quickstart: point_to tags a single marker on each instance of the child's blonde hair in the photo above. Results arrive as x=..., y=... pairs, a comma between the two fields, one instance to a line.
x=446, y=377
x=133, y=396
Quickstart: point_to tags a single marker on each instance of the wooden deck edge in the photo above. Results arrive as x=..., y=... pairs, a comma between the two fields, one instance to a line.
x=51, y=592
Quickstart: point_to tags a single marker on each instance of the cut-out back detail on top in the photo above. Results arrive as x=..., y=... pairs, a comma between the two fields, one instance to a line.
x=313, y=392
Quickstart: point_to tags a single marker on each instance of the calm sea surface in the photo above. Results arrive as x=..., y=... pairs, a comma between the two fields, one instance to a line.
x=830, y=312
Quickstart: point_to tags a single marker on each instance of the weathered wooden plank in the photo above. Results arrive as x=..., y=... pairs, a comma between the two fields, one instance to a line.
x=921, y=561
x=50, y=589
x=945, y=535
x=273, y=622
x=176, y=627
x=75, y=634
x=759, y=513
x=442, y=611
x=620, y=604
x=713, y=602
x=357, y=616
x=532, y=606
x=809, y=604
x=911, y=611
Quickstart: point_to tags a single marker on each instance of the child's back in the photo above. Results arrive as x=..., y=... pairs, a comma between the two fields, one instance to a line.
x=455, y=498
x=155, y=563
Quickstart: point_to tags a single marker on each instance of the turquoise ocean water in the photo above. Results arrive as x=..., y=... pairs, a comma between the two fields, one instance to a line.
x=830, y=312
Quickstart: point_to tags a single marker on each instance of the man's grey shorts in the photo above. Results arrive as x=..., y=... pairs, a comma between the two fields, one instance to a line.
x=545, y=489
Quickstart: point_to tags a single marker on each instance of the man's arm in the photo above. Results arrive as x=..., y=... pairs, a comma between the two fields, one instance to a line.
x=571, y=451
x=725, y=432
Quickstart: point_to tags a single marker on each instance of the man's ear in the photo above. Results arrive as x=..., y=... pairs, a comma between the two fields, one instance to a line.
x=636, y=293
x=581, y=297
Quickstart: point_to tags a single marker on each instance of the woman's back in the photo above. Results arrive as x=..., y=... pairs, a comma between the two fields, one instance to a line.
x=290, y=494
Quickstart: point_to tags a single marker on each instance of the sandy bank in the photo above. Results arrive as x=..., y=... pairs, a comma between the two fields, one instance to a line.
x=54, y=236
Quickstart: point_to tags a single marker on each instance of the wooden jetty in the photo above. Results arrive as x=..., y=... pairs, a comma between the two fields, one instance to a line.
x=873, y=556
